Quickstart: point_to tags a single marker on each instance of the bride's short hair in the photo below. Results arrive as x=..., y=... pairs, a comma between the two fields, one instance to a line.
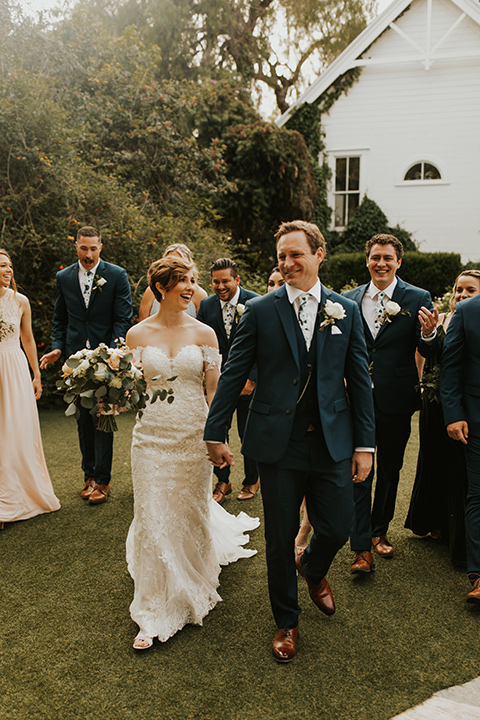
x=167, y=272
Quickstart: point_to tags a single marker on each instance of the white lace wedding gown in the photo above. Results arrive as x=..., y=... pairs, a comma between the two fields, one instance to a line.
x=179, y=536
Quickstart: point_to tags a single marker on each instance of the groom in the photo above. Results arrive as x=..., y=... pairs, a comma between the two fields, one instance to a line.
x=93, y=305
x=310, y=424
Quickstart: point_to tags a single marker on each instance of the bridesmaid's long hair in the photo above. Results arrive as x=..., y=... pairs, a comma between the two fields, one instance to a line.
x=14, y=284
x=167, y=272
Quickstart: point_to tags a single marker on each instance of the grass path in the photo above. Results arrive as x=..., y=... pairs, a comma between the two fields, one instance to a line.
x=398, y=635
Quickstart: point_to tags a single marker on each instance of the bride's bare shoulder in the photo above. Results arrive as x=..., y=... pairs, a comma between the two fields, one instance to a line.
x=138, y=334
x=205, y=335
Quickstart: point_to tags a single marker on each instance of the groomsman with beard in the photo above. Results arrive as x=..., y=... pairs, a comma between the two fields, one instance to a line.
x=460, y=395
x=310, y=423
x=222, y=312
x=93, y=305
x=397, y=318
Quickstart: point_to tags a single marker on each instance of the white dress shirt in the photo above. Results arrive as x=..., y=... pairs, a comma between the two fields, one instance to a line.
x=369, y=302
x=311, y=308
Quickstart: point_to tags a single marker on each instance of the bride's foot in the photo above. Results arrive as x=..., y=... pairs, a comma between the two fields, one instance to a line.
x=142, y=642
x=2, y=524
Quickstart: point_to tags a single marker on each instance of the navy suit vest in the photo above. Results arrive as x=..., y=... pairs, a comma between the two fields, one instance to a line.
x=307, y=412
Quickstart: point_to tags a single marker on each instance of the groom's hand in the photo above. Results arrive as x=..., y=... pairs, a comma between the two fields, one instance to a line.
x=361, y=465
x=219, y=454
x=50, y=357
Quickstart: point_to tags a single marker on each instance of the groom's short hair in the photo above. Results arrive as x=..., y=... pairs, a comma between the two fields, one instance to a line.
x=88, y=231
x=314, y=237
x=225, y=264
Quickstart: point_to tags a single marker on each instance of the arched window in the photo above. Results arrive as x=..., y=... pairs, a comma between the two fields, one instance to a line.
x=423, y=171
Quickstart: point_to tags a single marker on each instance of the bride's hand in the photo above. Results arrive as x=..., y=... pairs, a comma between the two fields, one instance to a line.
x=219, y=454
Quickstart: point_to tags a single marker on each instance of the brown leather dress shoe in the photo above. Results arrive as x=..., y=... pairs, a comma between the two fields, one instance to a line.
x=284, y=645
x=321, y=594
x=99, y=495
x=248, y=491
x=221, y=489
x=382, y=546
x=88, y=488
x=474, y=594
x=362, y=562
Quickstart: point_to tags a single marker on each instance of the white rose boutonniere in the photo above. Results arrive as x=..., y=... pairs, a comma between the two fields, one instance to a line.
x=98, y=283
x=240, y=309
x=331, y=312
x=390, y=311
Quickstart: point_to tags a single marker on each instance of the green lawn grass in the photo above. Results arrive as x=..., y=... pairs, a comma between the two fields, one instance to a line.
x=399, y=634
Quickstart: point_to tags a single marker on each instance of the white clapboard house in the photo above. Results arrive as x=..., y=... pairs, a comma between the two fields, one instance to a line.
x=407, y=131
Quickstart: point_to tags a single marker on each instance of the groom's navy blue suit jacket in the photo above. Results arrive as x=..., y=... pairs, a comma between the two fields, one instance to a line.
x=266, y=336
x=391, y=355
x=460, y=366
x=107, y=317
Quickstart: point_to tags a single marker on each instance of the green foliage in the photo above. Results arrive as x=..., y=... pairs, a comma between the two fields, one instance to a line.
x=435, y=272
x=369, y=220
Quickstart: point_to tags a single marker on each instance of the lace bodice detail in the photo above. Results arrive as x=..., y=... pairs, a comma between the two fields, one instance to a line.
x=10, y=317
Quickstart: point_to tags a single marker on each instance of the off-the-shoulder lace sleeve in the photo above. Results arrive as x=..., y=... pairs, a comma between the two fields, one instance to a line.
x=211, y=357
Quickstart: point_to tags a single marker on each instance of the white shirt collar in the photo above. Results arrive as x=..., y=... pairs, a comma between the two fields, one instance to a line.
x=83, y=273
x=233, y=301
x=294, y=293
x=373, y=291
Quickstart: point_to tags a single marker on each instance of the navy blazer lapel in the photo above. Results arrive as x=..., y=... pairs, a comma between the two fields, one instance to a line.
x=321, y=334
x=218, y=320
x=287, y=317
x=74, y=280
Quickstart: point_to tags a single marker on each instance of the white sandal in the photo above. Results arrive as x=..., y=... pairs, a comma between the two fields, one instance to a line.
x=142, y=642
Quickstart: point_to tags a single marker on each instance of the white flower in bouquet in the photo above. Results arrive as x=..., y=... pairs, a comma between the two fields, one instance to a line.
x=331, y=312
x=105, y=381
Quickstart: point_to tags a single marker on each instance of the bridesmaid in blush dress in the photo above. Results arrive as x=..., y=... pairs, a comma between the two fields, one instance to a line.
x=25, y=487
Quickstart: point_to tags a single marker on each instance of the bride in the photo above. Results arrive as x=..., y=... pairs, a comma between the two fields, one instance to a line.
x=179, y=536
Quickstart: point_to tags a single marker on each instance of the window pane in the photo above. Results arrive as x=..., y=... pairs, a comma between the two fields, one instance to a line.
x=340, y=211
x=415, y=172
x=341, y=174
x=354, y=173
x=353, y=201
x=430, y=172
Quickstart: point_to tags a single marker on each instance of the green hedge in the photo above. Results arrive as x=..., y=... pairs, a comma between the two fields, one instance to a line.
x=436, y=272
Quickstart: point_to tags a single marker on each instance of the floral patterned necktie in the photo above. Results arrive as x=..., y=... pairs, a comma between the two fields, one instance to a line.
x=87, y=289
x=304, y=320
x=379, y=311
x=228, y=315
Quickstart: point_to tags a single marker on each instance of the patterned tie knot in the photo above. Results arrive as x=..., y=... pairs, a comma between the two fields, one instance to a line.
x=379, y=308
x=229, y=314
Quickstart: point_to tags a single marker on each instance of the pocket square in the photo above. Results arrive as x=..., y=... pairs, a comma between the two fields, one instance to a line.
x=335, y=330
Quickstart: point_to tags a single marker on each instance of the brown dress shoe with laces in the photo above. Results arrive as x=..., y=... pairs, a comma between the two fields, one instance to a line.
x=362, y=562
x=221, y=489
x=99, y=495
x=382, y=546
x=321, y=594
x=87, y=488
x=248, y=491
x=284, y=645
x=474, y=594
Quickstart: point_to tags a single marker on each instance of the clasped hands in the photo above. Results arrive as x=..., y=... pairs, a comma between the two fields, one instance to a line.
x=219, y=454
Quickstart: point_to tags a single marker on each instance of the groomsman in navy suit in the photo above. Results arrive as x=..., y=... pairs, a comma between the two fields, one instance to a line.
x=93, y=305
x=397, y=318
x=310, y=423
x=222, y=312
x=460, y=394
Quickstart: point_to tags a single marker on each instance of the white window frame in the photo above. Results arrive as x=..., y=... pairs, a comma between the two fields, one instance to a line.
x=335, y=155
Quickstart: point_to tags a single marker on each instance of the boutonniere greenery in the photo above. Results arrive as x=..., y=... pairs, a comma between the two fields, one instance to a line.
x=331, y=312
x=239, y=310
x=98, y=282
x=391, y=310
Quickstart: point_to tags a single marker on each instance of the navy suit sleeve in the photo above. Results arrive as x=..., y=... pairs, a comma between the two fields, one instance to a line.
x=122, y=308
x=359, y=385
x=452, y=370
x=60, y=319
x=241, y=358
x=200, y=314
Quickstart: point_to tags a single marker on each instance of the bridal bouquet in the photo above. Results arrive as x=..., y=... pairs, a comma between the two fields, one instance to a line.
x=106, y=381
x=6, y=328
